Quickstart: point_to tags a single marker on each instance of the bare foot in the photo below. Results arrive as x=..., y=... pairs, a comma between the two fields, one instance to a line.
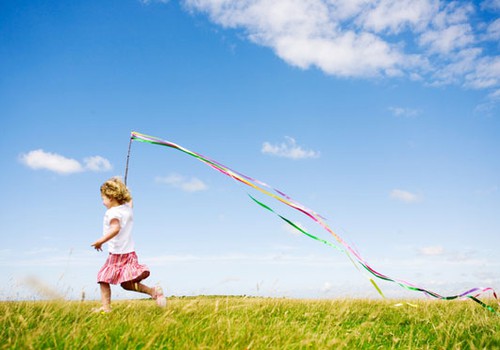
x=101, y=310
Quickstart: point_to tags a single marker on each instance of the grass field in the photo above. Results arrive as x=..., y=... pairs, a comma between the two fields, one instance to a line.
x=249, y=323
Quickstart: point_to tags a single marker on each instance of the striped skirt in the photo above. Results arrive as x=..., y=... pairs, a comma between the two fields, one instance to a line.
x=120, y=268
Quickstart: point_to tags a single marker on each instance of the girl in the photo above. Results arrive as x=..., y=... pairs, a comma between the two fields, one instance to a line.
x=122, y=265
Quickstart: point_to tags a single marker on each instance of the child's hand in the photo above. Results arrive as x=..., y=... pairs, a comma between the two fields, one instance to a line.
x=97, y=245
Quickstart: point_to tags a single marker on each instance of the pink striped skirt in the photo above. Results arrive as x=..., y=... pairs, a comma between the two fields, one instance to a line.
x=120, y=268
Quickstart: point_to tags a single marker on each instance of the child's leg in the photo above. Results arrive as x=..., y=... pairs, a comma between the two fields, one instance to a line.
x=155, y=293
x=105, y=296
x=138, y=287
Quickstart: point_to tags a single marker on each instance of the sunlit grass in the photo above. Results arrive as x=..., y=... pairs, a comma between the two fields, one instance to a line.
x=249, y=323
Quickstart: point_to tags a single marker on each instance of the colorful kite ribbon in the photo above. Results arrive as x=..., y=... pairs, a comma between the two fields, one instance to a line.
x=343, y=246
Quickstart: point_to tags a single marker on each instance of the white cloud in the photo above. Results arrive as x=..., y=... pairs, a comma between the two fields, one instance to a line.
x=395, y=15
x=147, y=2
x=488, y=107
x=39, y=159
x=307, y=33
x=486, y=74
x=404, y=196
x=493, y=5
x=493, y=31
x=288, y=149
x=448, y=39
x=97, y=163
x=434, y=41
x=431, y=251
x=404, y=112
x=495, y=95
x=189, y=185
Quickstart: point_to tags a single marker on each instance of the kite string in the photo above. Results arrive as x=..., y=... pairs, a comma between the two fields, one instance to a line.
x=315, y=217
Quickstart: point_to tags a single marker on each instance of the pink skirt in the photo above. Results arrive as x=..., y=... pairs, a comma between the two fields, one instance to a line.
x=120, y=268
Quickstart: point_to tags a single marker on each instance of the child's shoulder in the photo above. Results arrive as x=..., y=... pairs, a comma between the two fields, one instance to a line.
x=119, y=208
x=126, y=207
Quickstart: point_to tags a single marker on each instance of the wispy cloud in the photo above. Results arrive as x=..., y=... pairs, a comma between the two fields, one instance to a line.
x=47, y=256
x=495, y=95
x=464, y=256
x=431, y=251
x=491, y=5
x=487, y=107
x=178, y=181
x=439, y=42
x=39, y=159
x=288, y=149
x=405, y=196
x=273, y=258
x=97, y=163
x=147, y=2
x=404, y=112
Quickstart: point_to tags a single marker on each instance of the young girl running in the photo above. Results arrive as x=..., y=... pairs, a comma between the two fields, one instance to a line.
x=121, y=266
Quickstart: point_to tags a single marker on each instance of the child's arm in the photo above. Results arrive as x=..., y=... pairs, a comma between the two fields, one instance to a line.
x=114, y=229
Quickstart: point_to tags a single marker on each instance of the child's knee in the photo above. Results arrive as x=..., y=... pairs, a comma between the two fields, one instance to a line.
x=126, y=285
x=129, y=285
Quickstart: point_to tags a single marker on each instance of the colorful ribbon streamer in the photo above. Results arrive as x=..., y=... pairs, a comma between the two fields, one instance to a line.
x=351, y=253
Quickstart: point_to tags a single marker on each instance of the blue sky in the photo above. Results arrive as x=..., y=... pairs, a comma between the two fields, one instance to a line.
x=383, y=116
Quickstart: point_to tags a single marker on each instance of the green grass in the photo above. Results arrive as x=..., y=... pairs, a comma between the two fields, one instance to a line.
x=249, y=323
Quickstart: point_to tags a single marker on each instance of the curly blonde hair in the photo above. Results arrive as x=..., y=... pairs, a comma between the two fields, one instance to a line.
x=115, y=189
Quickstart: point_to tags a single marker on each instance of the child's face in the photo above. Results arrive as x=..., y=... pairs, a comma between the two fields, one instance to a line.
x=108, y=202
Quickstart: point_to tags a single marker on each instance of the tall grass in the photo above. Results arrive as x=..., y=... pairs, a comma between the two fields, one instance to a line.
x=249, y=323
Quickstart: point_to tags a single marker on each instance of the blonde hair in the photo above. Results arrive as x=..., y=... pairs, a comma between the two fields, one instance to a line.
x=115, y=189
